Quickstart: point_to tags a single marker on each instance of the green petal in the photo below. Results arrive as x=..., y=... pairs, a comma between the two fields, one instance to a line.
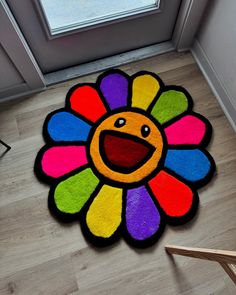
x=71, y=194
x=170, y=104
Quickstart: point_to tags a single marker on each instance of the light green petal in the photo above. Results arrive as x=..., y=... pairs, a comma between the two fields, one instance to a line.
x=170, y=104
x=71, y=194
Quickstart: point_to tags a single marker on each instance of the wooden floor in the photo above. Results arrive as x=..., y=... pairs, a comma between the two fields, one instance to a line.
x=40, y=256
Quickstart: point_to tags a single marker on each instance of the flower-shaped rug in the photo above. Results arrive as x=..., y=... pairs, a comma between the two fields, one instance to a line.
x=125, y=156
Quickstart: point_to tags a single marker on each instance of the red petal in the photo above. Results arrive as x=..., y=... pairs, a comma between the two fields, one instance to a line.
x=174, y=197
x=86, y=101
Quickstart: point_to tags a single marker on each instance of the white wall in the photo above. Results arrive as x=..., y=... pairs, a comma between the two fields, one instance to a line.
x=215, y=50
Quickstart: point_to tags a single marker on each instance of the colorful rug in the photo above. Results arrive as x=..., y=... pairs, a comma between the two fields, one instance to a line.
x=125, y=156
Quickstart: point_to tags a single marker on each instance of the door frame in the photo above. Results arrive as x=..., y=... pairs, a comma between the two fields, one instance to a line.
x=187, y=23
x=11, y=37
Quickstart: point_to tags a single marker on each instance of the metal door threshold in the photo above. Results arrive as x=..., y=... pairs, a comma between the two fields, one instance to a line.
x=107, y=63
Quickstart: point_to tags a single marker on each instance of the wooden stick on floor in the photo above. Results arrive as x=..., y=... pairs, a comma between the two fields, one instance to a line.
x=226, y=259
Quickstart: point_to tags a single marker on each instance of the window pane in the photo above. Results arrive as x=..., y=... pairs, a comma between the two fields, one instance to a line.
x=64, y=15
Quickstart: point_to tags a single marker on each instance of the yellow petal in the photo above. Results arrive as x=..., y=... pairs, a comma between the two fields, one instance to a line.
x=104, y=214
x=144, y=90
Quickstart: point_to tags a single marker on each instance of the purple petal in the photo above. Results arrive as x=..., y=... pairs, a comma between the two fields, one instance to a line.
x=142, y=216
x=114, y=88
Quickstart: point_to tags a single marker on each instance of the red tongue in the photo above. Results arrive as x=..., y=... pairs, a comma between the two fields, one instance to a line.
x=125, y=153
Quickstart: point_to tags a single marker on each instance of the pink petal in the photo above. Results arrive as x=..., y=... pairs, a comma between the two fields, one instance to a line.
x=60, y=160
x=187, y=130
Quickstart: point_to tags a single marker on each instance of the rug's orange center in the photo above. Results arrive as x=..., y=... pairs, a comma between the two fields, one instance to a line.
x=126, y=147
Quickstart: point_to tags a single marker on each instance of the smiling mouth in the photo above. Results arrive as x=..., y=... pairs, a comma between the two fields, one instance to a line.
x=124, y=152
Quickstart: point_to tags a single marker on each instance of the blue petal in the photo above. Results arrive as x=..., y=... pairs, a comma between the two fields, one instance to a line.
x=193, y=165
x=64, y=126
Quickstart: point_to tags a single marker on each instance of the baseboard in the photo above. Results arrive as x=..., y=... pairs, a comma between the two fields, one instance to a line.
x=13, y=90
x=215, y=83
x=21, y=95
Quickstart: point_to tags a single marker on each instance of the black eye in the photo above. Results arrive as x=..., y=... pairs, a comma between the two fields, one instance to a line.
x=145, y=130
x=120, y=122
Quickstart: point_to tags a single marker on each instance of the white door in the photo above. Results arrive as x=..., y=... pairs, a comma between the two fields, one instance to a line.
x=64, y=33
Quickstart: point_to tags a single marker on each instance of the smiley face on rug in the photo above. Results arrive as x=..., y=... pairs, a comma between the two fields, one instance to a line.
x=126, y=147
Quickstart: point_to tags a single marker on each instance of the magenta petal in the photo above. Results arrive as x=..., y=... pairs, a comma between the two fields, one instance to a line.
x=60, y=160
x=187, y=130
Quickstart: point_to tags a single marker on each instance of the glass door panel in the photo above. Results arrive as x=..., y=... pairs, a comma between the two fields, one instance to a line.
x=63, y=15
